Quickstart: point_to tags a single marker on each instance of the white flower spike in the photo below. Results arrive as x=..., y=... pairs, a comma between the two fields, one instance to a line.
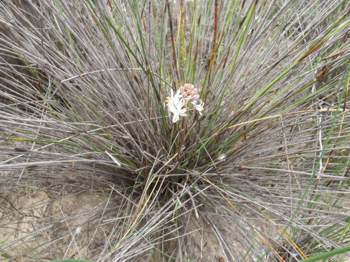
x=198, y=105
x=176, y=106
x=178, y=103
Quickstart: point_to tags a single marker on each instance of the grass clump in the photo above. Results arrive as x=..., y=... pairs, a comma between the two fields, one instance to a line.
x=259, y=152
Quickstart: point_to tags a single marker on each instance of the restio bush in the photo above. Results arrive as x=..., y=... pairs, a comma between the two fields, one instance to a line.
x=229, y=115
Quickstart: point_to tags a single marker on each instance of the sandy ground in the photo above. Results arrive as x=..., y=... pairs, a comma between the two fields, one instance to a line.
x=40, y=226
x=73, y=221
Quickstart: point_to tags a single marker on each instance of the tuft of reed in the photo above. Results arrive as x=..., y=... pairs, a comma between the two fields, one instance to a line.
x=83, y=90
